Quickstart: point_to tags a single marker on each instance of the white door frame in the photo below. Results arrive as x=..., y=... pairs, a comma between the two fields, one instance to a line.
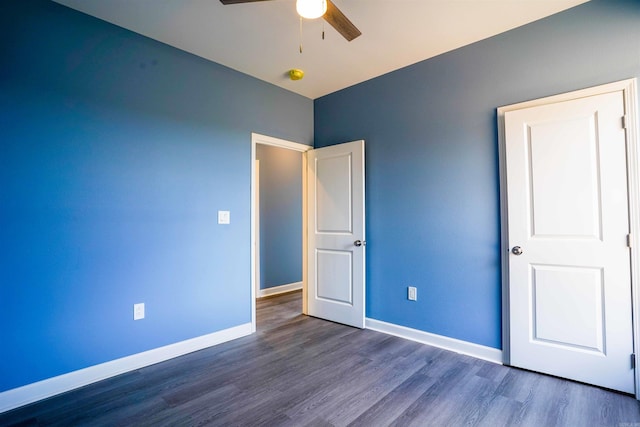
x=256, y=226
x=256, y=139
x=629, y=89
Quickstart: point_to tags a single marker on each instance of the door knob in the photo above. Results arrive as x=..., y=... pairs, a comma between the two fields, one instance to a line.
x=359, y=243
x=517, y=250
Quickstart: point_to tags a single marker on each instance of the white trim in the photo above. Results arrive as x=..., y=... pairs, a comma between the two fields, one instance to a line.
x=257, y=253
x=633, y=173
x=504, y=238
x=305, y=233
x=629, y=89
x=257, y=138
x=463, y=347
x=281, y=289
x=34, y=392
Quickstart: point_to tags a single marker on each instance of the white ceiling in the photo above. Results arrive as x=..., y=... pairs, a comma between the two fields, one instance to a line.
x=261, y=39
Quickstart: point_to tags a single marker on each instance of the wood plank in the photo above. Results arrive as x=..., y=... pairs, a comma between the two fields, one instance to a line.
x=279, y=377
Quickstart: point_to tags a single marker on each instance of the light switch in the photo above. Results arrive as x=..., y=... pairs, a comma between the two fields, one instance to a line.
x=224, y=217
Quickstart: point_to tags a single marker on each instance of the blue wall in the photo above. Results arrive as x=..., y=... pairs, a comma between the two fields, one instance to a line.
x=280, y=216
x=116, y=152
x=432, y=159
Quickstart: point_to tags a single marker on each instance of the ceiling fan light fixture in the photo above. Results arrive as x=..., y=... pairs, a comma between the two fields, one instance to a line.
x=311, y=9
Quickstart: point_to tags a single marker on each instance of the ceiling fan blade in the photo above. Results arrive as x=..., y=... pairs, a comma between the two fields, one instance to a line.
x=239, y=1
x=340, y=22
x=333, y=16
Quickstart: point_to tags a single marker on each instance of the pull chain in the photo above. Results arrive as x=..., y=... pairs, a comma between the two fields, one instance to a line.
x=323, y=30
x=301, y=34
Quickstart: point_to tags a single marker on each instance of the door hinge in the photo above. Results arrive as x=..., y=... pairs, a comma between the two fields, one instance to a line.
x=629, y=240
x=624, y=122
x=633, y=361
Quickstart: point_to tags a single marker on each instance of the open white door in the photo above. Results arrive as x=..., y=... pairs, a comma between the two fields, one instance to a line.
x=336, y=233
x=568, y=226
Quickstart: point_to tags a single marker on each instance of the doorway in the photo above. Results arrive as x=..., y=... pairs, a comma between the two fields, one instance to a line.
x=269, y=144
x=569, y=194
x=333, y=229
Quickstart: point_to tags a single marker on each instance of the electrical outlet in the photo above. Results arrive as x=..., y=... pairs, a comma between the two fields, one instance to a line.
x=412, y=293
x=138, y=311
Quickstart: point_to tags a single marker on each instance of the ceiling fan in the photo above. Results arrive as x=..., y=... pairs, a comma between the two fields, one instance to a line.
x=333, y=16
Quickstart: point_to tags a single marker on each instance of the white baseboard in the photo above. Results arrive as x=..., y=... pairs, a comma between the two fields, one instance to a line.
x=279, y=289
x=463, y=347
x=30, y=393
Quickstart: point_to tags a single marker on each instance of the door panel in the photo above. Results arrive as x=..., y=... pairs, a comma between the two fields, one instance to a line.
x=580, y=327
x=335, y=276
x=570, y=289
x=336, y=220
x=333, y=203
x=564, y=204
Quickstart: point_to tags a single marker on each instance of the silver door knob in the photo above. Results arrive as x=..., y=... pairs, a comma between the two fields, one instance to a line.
x=359, y=243
x=517, y=250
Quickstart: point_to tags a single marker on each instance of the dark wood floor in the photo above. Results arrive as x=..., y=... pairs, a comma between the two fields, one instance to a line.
x=302, y=371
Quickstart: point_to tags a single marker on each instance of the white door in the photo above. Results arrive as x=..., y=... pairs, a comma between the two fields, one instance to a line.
x=336, y=235
x=568, y=225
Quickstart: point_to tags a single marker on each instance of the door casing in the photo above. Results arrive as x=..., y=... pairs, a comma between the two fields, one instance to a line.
x=256, y=139
x=629, y=89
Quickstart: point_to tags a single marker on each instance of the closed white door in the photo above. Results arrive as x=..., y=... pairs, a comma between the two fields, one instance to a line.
x=336, y=234
x=568, y=225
